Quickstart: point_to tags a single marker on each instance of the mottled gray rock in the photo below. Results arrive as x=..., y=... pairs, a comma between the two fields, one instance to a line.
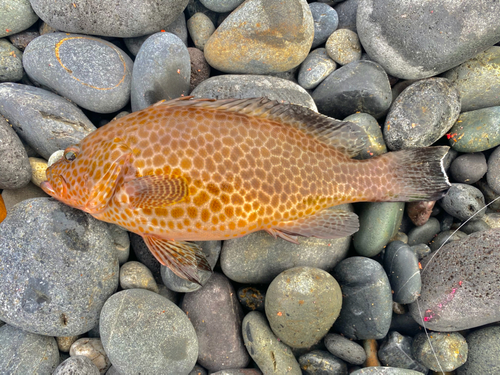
x=200, y=29
x=143, y=332
x=93, y=73
x=16, y=16
x=15, y=168
x=161, y=71
x=11, y=66
x=46, y=121
x=322, y=362
x=216, y=316
x=396, y=351
x=221, y=6
x=78, y=365
x=22, y=352
x=46, y=248
x=345, y=349
x=469, y=168
x=484, y=352
x=136, y=275
x=95, y=17
x=122, y=242
x=326, y=21
x=409, y=41
x=315, y=68
x=462, y=201
x=459, y=284
x=343, y=46
x=440, y=351
x=493, y=173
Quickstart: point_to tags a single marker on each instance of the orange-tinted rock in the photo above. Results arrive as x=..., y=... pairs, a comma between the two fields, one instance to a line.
x=3, y=210
x=262, y=36
x=419, y=212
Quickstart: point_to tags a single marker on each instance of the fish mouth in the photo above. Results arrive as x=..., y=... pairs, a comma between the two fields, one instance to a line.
x=60, y=190
x=47, y=187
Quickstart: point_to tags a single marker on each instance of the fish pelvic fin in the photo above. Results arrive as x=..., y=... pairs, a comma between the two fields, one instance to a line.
x=183, y=258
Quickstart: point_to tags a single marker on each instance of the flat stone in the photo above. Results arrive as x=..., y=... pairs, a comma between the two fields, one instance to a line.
x=16, y=17
x=15, y=168
x=315, y=68
x=200, y=29
x=484, y=352
x=318, y=362
x=11, y=66
x=221, y=6
x=441, y=351
x=77, y=365
x=345, y=349
x=276, y=37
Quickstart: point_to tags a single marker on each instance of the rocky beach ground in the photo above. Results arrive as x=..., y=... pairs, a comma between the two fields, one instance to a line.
x=80, y=296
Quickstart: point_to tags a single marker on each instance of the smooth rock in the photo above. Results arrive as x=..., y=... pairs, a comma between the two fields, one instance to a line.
x=484, y=352
x=395, y=351
x=221, y=6
x=315, y=68
x=320, y=362
x=15, y=168
x=270, y=354
x=459, y=284
x=216, y=316
x=93, y=73
x=22, y=352
x=361, y=86
x=143, y=332
x=424, y=233
x=13, y=197
x=22, y=39
x=345, y=349
x=440, y=351
x=121, y=241
x=493, y=173
x=326, y=21
x=476, y=131
x=161, y=71
x=405, y=324
x=276, y=37
x=490, y=196
x=16, y=16
x=55, y=157
x=91, y=348
x=367, y=300
x=136, y=275
x=380, y=370
x=38, y=168
x=422, y=114
x=123, y=20
x=78, y=365
x=46, y=121
x=11, y=66
x=375, y=145
x=200, y=29
x=419, y=212
x=302, y=304
x=144, y=256
x=462, y=201
x=196, y=6
x=469, y=168
x=167, y=293
x=445, y=237
x=243, y=371
x=420, y=40
x=346, y=11
x=198, y=370
x=474, y=226
x=343, y=46
x=46, y=248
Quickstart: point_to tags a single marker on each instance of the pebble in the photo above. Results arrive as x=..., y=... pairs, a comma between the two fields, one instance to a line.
x=11, y=66
x=462, y=201
x=345, y=349
x=405, y=324
x=200, y=70
x=122, y=20
x=252, y=298
x=46, y=249
x=440, y=351
x=121, y=242
x=167, y=293
x=378, y=370
x=395, y=351
x=302, y=304
x=136, y=275
x=271, y=355
x=375, y=145
x=343, y=46
x=361, y=86
x=367, y=300
x=15, y=168
x=216, y=316
x=161, y=71
x=422, y=114
x=46, y=121
x=469, y=168
x=243, y=371
x=493, y=173
x=277, y=37
x=490, y=196
x=484, y=352
x=91, y=72
x=424, y=233
x=401, y=265
x=474, y=226
x=64, y=342
x=80, y=365
x=476, y=131
x=477, y=80
x=492, y=219
x=38, y=168
x=445, y=237
x=319, y=362
x=16, y=17
x=459, y=284
x=371, y=347
x=197, y=370
x=22, y=39
x=200, y=29
x=414, y=41
x=419, y=212
x=378, y=223
x=22, y=352
x=221, y=6
x=143, y=332
x=346, y=11
x=196, y=6
x=326, y=21
x=315, y=68
x=55, y=157
x=91, y=348
x=13, y=197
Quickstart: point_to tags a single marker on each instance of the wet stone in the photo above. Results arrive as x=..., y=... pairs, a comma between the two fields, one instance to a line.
x=216, y=315
x=11, y=66
x=326, y=21
x=405, y=324
x=424, y=233
x=315, y=68
x=493, y=174
x=422, y=114
x=484, y=352
x=450, y=348
x=469, y=168
x=367, y=299
x=345, y=349
x=252, y=298
x=395, y=351
x=375, y=145
x=463, y=201
x=91, y=348
x=475, y=226
x=136, y=275
x=144, y=256
x=16, y=17
x=200, y=70
x=200, y=29
x=15, y=168
x=77, y=365
x=319, y=362
x=445, y=237
x=343, y=46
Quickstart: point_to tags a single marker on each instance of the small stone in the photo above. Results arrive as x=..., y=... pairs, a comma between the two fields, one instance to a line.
x=315, y=68
x=167, y=293
x=326, y=21
x=462, y=201
x=345, y=349
x=346, y=11
x=243, y=371
x=424, y=233
x=377, y=370
x=469, y=168
x=45, y=28
x=141, y=251
x=371, y=347
x=440, y=351
x=395, y=351
x=38, y=168
x=121, y=240
x=343, y=46
x=375, y=145
x=252, y=298
x=200, y=29
x=320, y=362
x=92, y=349
x=55, y=157
x=200, y=70
x=22, y=39
x=474, y=226
x=197, y=370
x=490, y=196
x=492, y=219
x=221, y=6
x=137, y=275
x=11, y=66
x=405, y=324
x=493, y=174
x=80, y=365
x=16, y=16
x=15, y=168
x=64, y=342
x=196, y=6
x=445, y=237
x=421, y=250
x=484, y=352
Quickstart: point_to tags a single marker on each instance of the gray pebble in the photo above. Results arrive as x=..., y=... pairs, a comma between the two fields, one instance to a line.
x=395, y=351
x=440, y=351
x=490, y=196
x=424, y=233
x=221, y=6
x=167, y=293
x=347, y=11
x=445, y=237
x=319, y=362
x=252, y=297
x=22, y=39
x=343, y=46
x=93, y=349
x=405, y=324
x=16, y=17
x=326, y=21
x=474, y=226
x=77, y=365
x=469, y=168
x=378, y=370
x=345, y=349
x=13, y=197
x=493, y=174
x=11, y=66
x=200, y=29
x=144, y=256
x=122, y=242
x=15, y=168
x=462, y=201
x=136, y=275
x=198, y=370
x=484, y=352
x=315, y=68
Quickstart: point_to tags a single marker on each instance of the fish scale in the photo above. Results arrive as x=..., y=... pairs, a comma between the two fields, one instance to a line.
x=197, y=170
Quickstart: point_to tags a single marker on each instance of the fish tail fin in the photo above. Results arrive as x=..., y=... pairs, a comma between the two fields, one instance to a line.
x=419, y=174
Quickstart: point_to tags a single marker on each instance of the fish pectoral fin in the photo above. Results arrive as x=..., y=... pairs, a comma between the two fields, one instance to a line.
x=156, y=191
x=329, y=223
x=183, y=258
x=277, y=233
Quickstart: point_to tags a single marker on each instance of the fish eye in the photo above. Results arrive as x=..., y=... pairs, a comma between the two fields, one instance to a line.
x=70, y=155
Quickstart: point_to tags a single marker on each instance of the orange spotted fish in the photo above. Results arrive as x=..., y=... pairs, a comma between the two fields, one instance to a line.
x=202, y=169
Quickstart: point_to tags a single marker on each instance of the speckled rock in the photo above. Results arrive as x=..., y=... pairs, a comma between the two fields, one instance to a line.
x=38, y=168
x=22, y=39
x=46, y=121
x=22, y=352
x=493, y=173
x=93, y=349
x=93, y=73
x=200, y=29
x=396, y=351
x=375, y=145
x=462, y=201
x=123, y=20
x=161, y=71
x=11, y=66
x=243, y=371
x=79, y=364
x=16, y=17
x=315, y=68
x=121, y=241
x=345, y=349
x=469, y=168
x=302, y=303
x=326, y=21
x=490, y=196
x=136, y=275
x=343, y=46
x=484, y=352
x=449, y=348
x=46, y=248
x=221, y=6
x=422, y=114
x=379, y=370
x=277, y=36
x=163, y=338
x=270, y=354
x=322, y=362
x=15, y=168
x=200, y=70
x=216, y=316
x=361, y=86
x=459, y=284
x=392, y=33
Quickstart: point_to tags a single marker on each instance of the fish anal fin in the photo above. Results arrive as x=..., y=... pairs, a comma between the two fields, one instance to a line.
x=183, y=258
x=156, y=191
x=277, y=233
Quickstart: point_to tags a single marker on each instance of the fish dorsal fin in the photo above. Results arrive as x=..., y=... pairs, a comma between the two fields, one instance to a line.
x=156, y=191
x=346, y=137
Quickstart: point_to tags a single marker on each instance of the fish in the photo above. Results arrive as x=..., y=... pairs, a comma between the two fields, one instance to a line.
x=190, y=169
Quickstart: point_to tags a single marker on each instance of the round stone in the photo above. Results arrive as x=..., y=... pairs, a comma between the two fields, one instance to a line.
x=424, y=233
x=15, y=168
x=136, y=275
x=315, y=68
x=11, y=66
x=322, y=362
x=143, y=332
x=64, y=342
x=91, y=348
x=469, y=168
x=38, y=168
x=419, y=212
x=200, y=29
x=343, y=46
x=440, y=351
x=121, y=240
x=77, y=365
x=484, y=352
x=345, y=349
x=16, y=16
x=302, y=304
x=462, y=201
x=395, y=351
x=326, y=21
